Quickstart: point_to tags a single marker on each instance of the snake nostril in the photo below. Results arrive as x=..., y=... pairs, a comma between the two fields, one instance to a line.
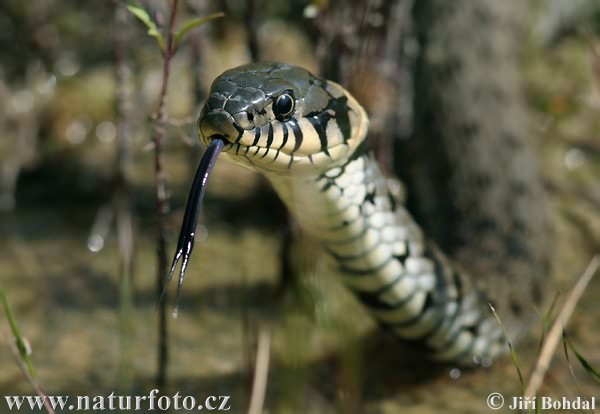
x=250, y=116
x=218, y=122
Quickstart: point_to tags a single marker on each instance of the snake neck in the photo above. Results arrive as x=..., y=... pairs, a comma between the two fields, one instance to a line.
x=383, y=257
x=307, y=136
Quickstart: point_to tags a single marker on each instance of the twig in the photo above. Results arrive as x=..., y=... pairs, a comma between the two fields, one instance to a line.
x=556, y=332
x=162, y=202
x=261, y=373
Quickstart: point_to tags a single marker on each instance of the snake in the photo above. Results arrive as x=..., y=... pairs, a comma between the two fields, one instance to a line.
x=308, y=137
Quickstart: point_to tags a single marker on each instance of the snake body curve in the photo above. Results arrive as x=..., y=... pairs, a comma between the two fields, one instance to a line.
x=307, y=136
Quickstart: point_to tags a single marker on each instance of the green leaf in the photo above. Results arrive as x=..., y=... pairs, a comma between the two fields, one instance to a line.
x=139, y=12
x=191, y=24
x=510, y=347
x=584, y=362
x=21, y=342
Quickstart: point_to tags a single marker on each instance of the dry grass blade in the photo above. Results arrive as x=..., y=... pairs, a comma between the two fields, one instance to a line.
x=261, y=373
x=555, y=334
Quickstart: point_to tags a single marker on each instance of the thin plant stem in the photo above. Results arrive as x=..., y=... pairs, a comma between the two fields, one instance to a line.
x=162, y=202
x=569, y=365
x=261, y=373
x=513, y=354
x=32, y=381
x=21, y=349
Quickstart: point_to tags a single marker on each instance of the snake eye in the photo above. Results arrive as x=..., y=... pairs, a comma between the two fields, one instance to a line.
x=284, y=106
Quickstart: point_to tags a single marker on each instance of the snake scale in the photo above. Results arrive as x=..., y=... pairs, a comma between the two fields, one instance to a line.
x=308, y=137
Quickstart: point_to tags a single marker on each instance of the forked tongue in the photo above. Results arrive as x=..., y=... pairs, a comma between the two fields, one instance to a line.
x=185, y=244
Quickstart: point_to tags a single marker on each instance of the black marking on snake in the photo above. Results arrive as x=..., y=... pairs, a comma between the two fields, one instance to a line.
x=393, y=283
x=402, y=257
x=291, y=161
x=240, y=131
x=393, y=202
x=310, y=158
x=331, y=180
x=265, y=154
x=365, y=272
x=427, y=305
x=185, y=242
x=451, y=320
x=414, y=319
x=340, y=106
x=362, y=149
x=376, y=302
x=372, y=301
x=285, y=136
x=349, y=239
x=328, y=184
x=452, y=340
x=297, y=134
x=270, y=135
x=328, y=178
x=320, y=129
x=276, y=155
x=370, y=197
x=257, y=132
x=438, y=320
x=351, y=257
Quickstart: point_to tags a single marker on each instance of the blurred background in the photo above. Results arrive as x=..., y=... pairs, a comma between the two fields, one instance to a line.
x=82, y=230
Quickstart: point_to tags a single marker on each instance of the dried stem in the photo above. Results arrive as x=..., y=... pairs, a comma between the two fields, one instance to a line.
x=557, y=329
x=261, y=373
x=162, y=202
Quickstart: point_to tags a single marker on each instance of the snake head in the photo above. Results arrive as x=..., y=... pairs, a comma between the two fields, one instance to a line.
x=277, y=117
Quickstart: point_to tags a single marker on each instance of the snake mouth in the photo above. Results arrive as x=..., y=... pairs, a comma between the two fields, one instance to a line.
x=215, y=137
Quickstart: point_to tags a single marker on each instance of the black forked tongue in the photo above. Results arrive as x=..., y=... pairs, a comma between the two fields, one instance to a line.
x=185, y=244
